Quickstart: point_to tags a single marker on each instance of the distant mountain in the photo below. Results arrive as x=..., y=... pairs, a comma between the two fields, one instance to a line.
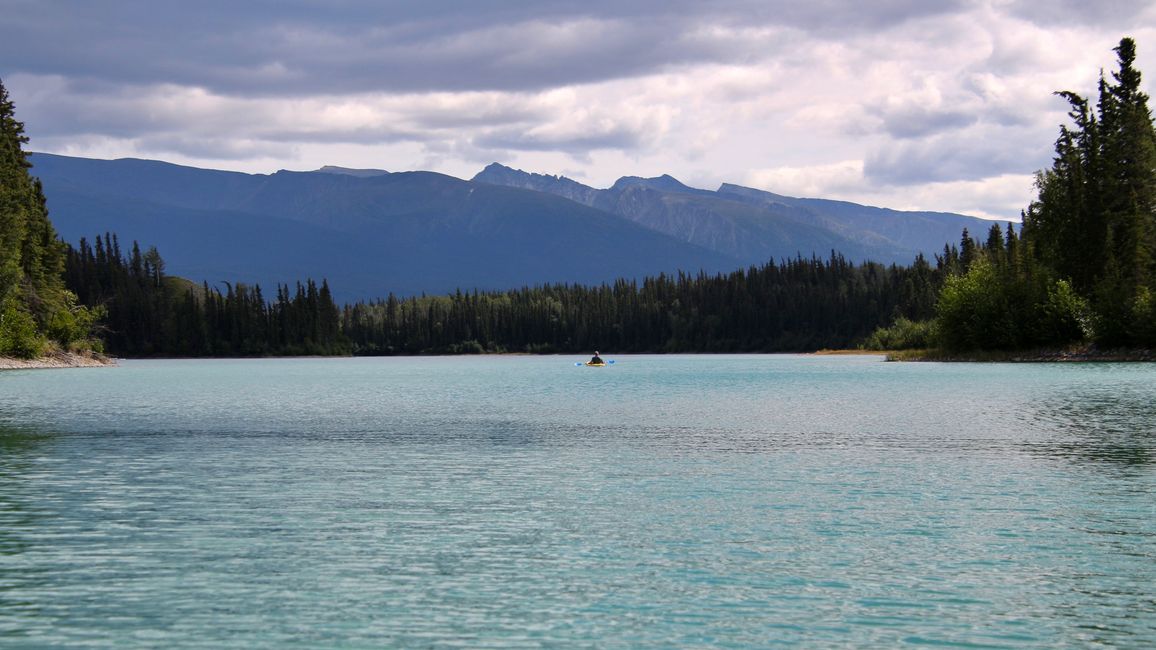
x=368, y=234
x=664, y=183
x=752, y=225
x=496, y=174
x=908, y=230
x=371, y=232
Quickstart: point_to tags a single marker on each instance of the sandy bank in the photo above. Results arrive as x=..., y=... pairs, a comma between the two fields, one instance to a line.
x=57, y=360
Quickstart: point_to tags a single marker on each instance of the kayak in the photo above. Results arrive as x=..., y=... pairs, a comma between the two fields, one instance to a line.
x=595, y=365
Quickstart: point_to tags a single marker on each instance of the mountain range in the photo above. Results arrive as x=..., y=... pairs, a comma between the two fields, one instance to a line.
x=371, y=232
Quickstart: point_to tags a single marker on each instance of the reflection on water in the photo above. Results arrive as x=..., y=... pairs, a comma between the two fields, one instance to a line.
x=1098, y=420
x=16, y=444
x=18, y=519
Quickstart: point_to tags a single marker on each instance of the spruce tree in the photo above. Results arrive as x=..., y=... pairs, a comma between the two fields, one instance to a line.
x=33, y=301
x=14, y=195
x=1094, y=220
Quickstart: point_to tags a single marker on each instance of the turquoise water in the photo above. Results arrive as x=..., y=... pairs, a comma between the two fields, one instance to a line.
x=667, y=501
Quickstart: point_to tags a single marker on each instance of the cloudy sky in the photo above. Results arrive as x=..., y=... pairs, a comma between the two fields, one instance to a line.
x=911, y=104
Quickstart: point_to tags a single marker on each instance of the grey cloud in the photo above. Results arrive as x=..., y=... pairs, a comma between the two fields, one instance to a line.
x=1023, y=109
x=479, y=116
x=965, y=156
x=277, y=48
x=620, y=137
x=215, y=148
x=919, y=121
x=1103, y=13
x=924, y=115
x=60, y=107
x=100, y=64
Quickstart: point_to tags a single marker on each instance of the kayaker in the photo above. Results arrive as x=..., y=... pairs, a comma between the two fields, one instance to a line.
x=596, y=358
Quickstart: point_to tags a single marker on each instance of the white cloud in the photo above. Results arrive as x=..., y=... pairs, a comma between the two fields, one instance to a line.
x=937, y=106
x=817, y=181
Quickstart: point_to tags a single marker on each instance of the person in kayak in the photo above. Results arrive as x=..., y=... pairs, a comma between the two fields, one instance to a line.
x=596, y=358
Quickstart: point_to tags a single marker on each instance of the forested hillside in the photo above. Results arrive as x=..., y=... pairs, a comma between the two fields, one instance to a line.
x=35, y=308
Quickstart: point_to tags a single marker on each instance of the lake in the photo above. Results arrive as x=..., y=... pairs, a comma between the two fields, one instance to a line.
x=665, y=501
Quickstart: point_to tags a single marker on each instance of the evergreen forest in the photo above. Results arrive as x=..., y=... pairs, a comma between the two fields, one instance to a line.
x=1084, y=268
x=795, y=305
x=38, y=314
x=148, y=313
x=1081, y=270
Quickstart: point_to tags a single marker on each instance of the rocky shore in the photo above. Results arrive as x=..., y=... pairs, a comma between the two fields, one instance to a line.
x=58, y=360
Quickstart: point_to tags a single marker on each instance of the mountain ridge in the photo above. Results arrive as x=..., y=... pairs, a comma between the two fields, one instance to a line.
x=753, y=224
x=405, y=233
x=373, y=232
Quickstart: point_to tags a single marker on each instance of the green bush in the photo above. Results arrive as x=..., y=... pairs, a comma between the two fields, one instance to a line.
x=1063, y=318
x=466, y=347
x=904, y=334
x=18, y=335
x=71, y=323
x=973, y=312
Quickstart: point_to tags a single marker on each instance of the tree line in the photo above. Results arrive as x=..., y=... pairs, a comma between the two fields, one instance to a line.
x=791, y=305
x=148, y=313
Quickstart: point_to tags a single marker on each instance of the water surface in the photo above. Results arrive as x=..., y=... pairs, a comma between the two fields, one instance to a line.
x=666, y=501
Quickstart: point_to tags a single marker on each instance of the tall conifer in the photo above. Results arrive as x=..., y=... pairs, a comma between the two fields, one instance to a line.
x=33, y=302
x=1094, y=220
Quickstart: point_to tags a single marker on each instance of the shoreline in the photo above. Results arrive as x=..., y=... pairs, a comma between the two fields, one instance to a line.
x=1068, y=355
x=58, y=360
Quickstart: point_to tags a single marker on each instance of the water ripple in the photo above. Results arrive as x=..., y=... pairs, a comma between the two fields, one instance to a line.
x=520, y=502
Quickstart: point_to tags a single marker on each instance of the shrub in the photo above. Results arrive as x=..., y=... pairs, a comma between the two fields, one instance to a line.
x=18, y=335
x=973, y=312
x=904, y=334
x=1064, y=317
x=71, y=323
